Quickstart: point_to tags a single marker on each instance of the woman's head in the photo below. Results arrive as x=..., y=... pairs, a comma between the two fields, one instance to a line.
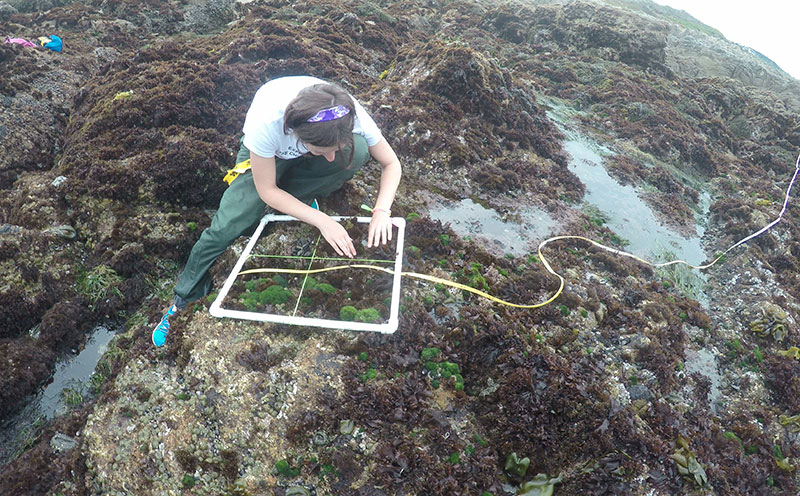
x=322, y=115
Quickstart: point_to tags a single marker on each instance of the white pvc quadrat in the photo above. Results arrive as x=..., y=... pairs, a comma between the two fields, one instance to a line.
x=387, y=328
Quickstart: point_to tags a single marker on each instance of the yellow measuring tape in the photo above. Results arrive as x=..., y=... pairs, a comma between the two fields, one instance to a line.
x=546, y=264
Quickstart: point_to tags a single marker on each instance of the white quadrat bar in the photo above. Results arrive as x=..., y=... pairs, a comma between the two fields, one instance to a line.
x=387, y=327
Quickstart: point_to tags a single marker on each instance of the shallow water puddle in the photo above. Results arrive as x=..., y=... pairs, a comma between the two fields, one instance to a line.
x=704, y=363
x=634, y=221
x=72, y=373
x=468, y=218
x=627, y=214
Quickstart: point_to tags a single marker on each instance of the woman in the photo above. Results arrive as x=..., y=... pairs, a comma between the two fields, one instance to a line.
x=303, y=138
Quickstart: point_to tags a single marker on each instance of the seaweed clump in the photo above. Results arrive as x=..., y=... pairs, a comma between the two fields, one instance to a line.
x=150, y=133
x=480, y=99
x=27, y=366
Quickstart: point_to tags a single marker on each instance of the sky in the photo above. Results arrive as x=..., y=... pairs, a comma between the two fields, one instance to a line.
x=768, y=26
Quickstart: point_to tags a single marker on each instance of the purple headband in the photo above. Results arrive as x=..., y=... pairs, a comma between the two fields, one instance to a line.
x=330, y=114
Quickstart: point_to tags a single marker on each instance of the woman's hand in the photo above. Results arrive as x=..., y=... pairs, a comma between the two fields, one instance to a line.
x=336, y=235
x=380, y=228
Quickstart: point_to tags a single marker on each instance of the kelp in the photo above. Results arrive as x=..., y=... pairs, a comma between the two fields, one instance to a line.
x=541, y=485
x=515, y=465
x=687, y=463
x=792, y=423
x=792, y=352
x=771, y=322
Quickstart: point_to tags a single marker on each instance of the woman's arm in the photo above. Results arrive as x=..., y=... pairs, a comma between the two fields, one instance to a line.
x=380, y=227
x=264, y=178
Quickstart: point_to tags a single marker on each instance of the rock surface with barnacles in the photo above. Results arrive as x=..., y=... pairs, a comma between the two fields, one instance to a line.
x=635, y=380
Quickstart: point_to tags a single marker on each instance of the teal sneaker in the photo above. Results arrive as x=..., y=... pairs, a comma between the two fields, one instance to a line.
x=161, y=330
x=314, y=204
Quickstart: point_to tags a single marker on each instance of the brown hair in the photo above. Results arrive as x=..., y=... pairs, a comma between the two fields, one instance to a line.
x=309, y=101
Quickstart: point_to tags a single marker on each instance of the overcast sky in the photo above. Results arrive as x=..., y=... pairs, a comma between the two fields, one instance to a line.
x=770, y=26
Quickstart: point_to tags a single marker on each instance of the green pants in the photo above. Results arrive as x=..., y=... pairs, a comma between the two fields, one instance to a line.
x=240, y=208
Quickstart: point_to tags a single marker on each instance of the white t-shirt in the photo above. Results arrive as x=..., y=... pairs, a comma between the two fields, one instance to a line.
x=263, y=126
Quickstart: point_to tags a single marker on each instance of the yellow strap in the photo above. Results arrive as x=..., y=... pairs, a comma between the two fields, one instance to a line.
x=237, y=169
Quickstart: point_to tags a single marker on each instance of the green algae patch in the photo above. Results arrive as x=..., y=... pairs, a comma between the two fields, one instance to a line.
x=780, y=460
x=473, y=277
x=369, y=315
x=441, y=371
x=348, y=312
x=428, y=354
x=352, y=314
x=326, y=288
x=272, y=295
x=275, y=295
x=99, y=283
x=188, y=481
x=283, y=469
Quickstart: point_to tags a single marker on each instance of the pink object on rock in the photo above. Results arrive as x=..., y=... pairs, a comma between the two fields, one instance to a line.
x=20, y=41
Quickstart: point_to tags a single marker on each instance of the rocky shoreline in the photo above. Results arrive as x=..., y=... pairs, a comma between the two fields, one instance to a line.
x=634, y=381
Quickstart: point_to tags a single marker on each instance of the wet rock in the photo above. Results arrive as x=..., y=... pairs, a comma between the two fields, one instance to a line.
x=61, y=443
x=130, y=260
x=690, y=52
x=209, y=16
x=6, y=11
x=57, y=182
x=346, y=426
x=600, y=313
x=607, y=33
x=129, y=162
x=63, y=325
x=370, y=491
x=33, y=5
x=640, y=392
x=63, y=231
x=105, y=55
x=25, y=368
x=639, y=342
x=9, y=229
x=320, y=438
x=490, y=388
